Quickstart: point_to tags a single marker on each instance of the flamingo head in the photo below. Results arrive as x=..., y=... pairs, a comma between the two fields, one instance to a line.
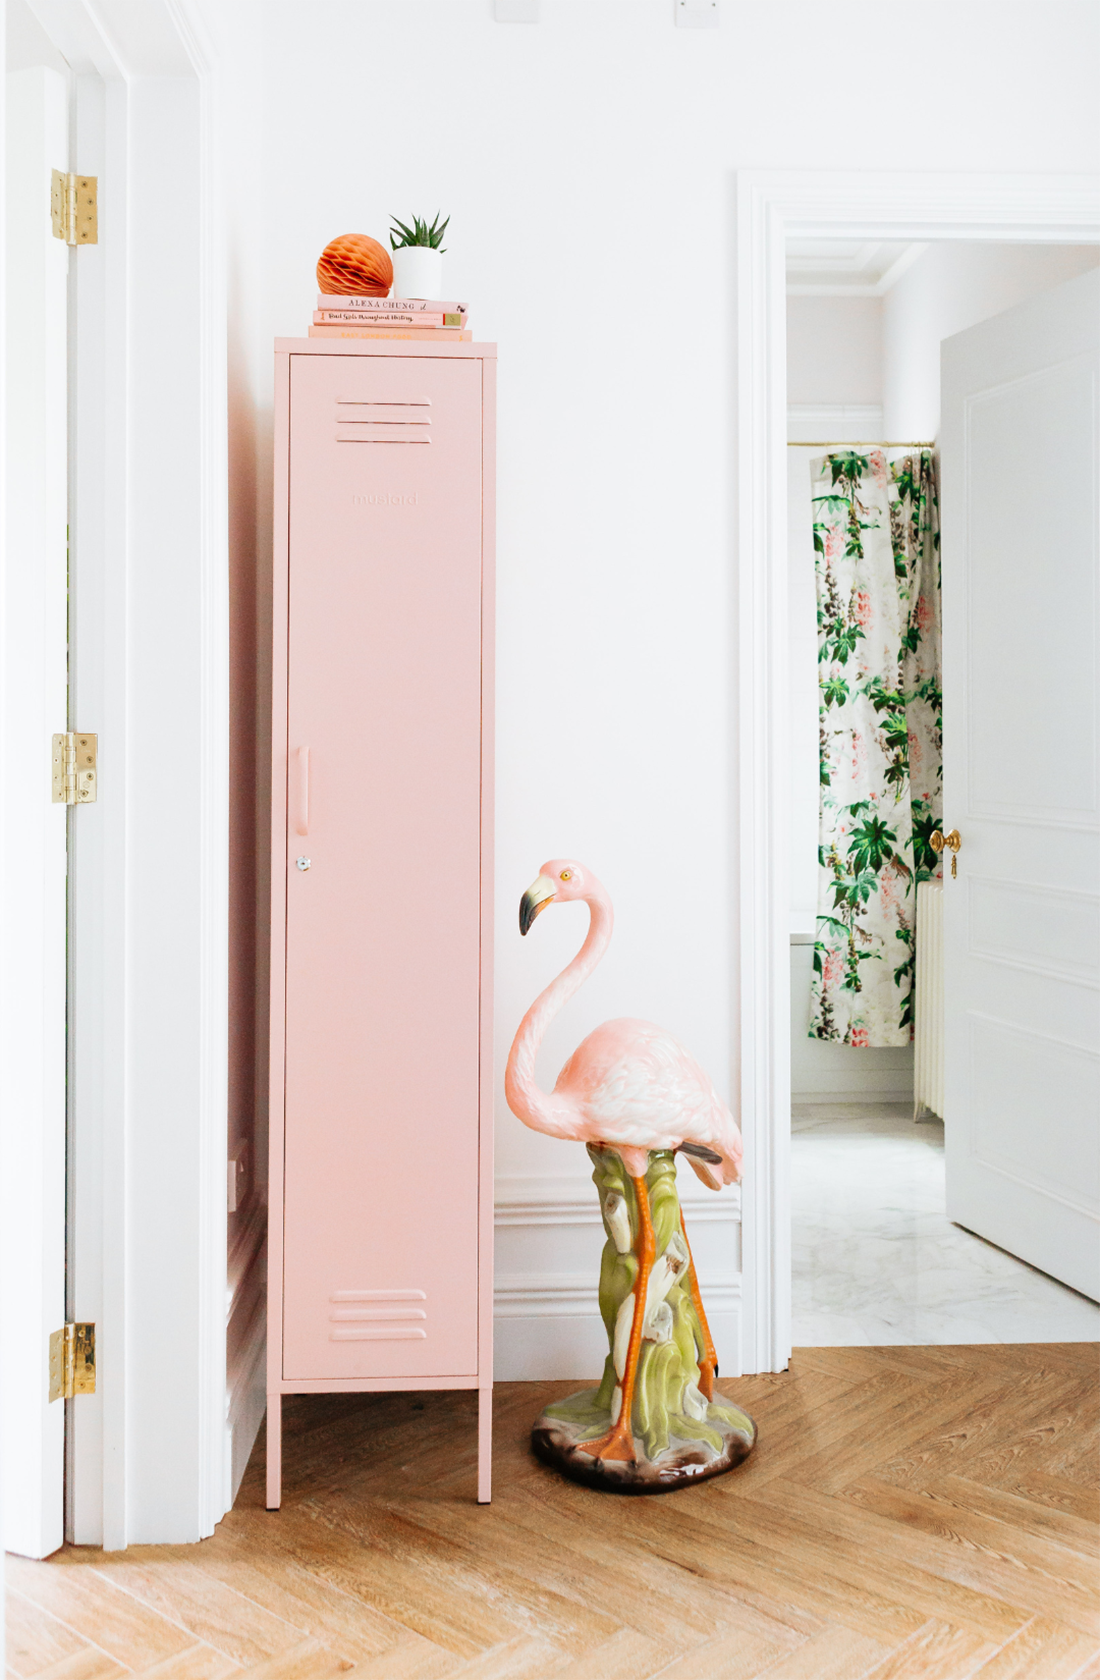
x=559, y=882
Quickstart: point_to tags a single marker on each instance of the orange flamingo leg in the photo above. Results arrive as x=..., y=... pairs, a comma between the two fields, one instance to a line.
x=618, y=1443
x=708, y=1363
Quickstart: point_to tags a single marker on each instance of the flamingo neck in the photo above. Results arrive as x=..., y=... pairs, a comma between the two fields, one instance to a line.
x=537, y=1108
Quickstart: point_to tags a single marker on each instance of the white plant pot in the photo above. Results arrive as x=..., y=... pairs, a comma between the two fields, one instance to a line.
x=417, y=272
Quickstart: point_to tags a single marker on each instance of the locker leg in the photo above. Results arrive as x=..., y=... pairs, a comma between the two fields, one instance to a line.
x=484, y=1445
x=274, y=1451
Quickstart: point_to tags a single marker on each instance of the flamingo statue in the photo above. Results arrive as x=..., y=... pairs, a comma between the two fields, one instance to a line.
x=629, y=1087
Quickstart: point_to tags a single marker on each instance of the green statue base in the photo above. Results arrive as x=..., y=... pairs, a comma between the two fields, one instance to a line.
x=661, y=1361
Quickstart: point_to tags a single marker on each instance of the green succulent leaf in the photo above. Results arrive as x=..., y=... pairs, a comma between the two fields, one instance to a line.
x=430, y=237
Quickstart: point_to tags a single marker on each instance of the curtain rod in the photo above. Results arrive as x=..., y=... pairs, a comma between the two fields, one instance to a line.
x=860, y=443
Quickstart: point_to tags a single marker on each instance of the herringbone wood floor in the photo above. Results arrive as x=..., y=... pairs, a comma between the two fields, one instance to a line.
x=910, y=1514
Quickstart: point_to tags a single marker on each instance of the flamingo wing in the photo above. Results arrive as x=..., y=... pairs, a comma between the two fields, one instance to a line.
x=636, y=1085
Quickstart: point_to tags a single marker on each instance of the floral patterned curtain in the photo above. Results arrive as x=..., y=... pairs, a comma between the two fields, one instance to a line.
x=876, y=543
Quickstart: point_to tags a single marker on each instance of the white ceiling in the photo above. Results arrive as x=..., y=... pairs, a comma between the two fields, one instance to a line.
x=847, y=267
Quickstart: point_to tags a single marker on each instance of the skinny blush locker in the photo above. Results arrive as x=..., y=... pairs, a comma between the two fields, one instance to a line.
x=381, y=1186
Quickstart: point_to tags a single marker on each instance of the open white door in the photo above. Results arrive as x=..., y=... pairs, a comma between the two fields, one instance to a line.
x=33, y=706
x=1021, y=674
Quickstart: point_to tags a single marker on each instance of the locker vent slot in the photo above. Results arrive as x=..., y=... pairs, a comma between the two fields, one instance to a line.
x=377, y=1315
x=359, y=421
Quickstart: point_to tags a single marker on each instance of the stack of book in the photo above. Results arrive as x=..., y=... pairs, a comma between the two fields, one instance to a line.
x=371, y=317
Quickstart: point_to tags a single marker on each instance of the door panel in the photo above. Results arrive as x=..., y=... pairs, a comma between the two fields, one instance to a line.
x=1020, y=446
x=384, y=734
x=1032, y=645
x=1012, y=1073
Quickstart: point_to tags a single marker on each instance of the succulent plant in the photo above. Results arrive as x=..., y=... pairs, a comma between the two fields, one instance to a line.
x=419, y=234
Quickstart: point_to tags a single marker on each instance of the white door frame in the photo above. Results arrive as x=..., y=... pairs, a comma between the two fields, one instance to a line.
x=769, y=208
x=148, y=919
x=33, y=699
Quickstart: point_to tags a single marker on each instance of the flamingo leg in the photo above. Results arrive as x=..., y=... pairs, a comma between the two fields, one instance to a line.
x=618, y=1443
x=708, y=1362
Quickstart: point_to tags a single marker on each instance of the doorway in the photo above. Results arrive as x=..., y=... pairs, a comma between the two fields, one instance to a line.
x=773, y=208
x=875, y=1258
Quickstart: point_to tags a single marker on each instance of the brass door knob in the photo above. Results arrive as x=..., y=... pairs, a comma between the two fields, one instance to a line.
x=947, y=842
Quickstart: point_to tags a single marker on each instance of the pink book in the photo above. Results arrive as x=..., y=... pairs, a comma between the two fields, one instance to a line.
x=386, y=306
x=390, y=332
x=388, y=318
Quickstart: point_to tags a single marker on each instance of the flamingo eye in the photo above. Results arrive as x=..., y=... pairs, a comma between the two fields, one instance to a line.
x=566, y=874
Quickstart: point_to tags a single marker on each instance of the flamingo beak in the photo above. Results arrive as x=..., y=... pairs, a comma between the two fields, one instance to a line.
x=538, y=895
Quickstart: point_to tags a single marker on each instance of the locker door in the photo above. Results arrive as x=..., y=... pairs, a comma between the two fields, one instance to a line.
x=384, y=736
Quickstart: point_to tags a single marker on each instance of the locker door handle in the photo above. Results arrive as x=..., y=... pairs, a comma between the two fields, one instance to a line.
x=302, y=824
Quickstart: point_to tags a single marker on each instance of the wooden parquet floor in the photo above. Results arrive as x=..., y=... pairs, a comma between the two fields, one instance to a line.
x=910, y=1514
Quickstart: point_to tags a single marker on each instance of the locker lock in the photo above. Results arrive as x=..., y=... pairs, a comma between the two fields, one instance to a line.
x=302, y=863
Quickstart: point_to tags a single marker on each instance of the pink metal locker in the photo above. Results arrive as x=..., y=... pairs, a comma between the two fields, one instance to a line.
x=381, y=1204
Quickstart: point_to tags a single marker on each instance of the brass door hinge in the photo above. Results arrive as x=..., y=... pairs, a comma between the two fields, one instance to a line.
x=72, y=1361
x=74, y=208
x=74, y=769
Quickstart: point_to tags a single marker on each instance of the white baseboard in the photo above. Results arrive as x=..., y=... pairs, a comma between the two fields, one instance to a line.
x=883, y=1085
x=824, y=1072
x=813, y=1099
x=549, y=1237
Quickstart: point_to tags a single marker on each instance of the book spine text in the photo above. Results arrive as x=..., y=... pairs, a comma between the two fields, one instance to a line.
x=387, y=306
x=370, y=318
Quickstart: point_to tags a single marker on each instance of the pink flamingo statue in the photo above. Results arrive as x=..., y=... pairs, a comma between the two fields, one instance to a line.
x=629, y=1087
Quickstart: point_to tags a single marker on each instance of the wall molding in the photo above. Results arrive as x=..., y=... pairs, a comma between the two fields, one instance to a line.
x=531, y=1200
x=834, y=422
x=549, y=1237
x=574, y=1295
x=896, y=1091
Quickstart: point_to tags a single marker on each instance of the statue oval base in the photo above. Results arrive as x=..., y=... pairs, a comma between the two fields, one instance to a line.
x=557, y=1442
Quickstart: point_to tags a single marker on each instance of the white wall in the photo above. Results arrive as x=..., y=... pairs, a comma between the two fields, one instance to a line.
x=950, y=287
x=612, y=684
x=834, y=351
x=586, y=165
x=26, y=43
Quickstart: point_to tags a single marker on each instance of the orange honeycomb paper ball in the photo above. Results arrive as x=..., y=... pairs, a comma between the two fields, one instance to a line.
x=355, y=265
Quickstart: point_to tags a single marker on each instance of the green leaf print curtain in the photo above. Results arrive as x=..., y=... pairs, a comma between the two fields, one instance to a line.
x=877, y=557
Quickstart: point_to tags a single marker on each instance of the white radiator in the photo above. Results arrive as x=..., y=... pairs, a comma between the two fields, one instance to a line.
x=928, y=1014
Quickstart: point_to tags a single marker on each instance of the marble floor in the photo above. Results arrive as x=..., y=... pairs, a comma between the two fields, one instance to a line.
x=877, y=1263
